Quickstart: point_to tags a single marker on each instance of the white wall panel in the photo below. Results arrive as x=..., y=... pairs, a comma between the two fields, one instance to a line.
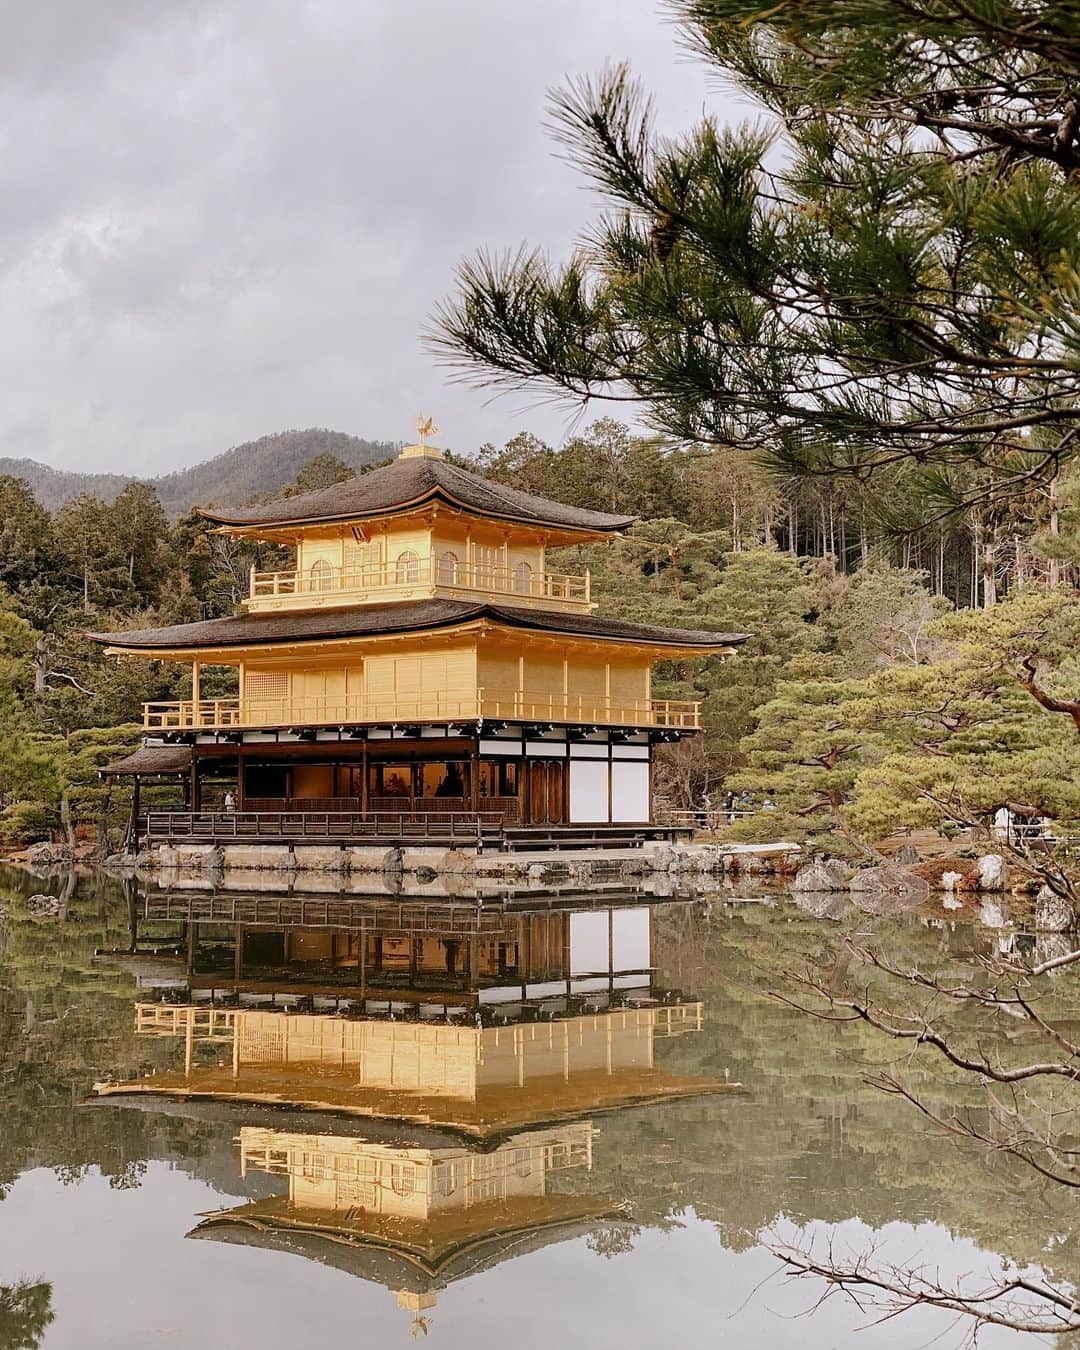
x=629, y=790
x=589, y=942
x=630, y=941
x=588, y=791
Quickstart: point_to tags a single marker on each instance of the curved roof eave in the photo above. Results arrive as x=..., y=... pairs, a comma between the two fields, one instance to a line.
x=619, y=523
x=405, y=484
x=394, y=620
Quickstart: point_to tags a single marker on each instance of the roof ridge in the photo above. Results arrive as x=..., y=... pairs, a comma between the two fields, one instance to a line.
x=401, y=616
x=402, y=484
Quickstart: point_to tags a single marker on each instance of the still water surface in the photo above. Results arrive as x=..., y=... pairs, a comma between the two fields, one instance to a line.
x=561, y=1120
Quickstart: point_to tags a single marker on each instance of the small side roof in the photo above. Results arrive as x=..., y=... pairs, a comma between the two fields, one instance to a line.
x=149, y=760
x=404, y=616
x=410, y=482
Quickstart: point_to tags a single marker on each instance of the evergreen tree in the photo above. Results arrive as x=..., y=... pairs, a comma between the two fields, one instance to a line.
x=887, y=273
x=319, y=472
x=803, y=757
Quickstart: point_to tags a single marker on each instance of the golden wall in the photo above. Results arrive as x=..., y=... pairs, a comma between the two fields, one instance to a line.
x=433, y=679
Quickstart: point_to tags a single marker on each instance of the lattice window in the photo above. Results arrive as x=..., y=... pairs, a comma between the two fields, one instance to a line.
x=355, y=1195
x=362, y=563
x=487, y=561
x=266, y=685
x=322, y=577
x=523, y=575
x=448, y=569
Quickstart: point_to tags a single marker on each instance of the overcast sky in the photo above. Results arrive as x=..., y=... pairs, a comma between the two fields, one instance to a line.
x=222, y=218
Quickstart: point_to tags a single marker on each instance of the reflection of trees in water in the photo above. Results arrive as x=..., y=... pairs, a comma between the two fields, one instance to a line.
x=816, y=1138
x=25, y=1313
x=812, y=1139
x=1007, y=1025
x=66, y=1020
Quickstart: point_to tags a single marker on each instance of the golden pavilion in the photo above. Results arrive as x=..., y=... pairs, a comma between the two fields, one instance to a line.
x=482, y=1026
x=418, y=670
x=414, y=1219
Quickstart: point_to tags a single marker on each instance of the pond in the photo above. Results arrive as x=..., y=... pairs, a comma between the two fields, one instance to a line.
x=270, y=1120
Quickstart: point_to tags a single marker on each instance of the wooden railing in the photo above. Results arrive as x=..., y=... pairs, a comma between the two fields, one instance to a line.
x=455, y=826
x=507, y=807
x=521, y=706
x=394, y=579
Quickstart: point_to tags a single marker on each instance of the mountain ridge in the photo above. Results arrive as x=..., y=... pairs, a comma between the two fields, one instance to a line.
x=232, y=478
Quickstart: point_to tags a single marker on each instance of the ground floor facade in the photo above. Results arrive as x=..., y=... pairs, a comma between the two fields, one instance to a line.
x=441, y=781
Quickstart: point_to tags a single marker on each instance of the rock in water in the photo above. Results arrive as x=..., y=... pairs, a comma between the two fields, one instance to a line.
x=993, y=872
x=43, y=906
x=824, y=904
x=870, y=883
x=1054, y=914
x=45, y=854
x=827, y=874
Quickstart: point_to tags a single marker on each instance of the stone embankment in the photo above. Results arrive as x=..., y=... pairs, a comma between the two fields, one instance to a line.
x=891, y=886
x=367, y=869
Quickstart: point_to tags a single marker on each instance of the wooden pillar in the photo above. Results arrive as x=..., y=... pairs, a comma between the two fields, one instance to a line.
x=474, y=775
x=196, y=686
x=194, y=795
x=364, y=794
x=135, y=801
x=241, y=766
x=192, y=940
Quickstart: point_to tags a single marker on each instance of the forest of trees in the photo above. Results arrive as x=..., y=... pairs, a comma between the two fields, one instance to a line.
x=859, y=679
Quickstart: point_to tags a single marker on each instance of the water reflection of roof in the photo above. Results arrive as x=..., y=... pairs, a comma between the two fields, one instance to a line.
x=402, y=1256
x=495, y=1111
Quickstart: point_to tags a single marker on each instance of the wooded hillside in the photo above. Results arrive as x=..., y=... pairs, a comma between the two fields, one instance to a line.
x=255, y=469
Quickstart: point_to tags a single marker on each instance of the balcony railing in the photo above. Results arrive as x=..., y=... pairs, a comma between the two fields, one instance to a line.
x=229, y=713
x=340, y=826
x=406, y=577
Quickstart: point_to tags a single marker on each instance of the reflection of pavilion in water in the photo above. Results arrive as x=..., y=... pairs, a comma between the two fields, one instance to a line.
x=480, y=1020
x=412, y=1219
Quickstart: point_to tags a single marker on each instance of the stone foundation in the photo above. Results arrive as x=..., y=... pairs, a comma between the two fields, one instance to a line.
x=368, y=869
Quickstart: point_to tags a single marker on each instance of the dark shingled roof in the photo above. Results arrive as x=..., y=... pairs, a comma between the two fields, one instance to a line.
x=151, y=759
x=404, y=616
x=408, y=482
x=406, y=1267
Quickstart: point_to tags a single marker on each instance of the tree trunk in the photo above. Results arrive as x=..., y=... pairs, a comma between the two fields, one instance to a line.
x=1054, y=574
x=41, y=666
x=66, y=821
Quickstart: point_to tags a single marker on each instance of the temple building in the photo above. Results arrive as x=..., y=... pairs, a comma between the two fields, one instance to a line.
x=480, y=1027
x=413, y=1219
x=417, y=670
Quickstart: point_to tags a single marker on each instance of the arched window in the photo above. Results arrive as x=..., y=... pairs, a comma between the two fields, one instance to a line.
x=448, y=569
x=321, y=576
x=408, y=568
x=402, y=1178
x=444, y=1178
x=523, y=575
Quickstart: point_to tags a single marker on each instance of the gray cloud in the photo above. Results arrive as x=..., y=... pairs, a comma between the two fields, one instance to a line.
x=225, y=217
